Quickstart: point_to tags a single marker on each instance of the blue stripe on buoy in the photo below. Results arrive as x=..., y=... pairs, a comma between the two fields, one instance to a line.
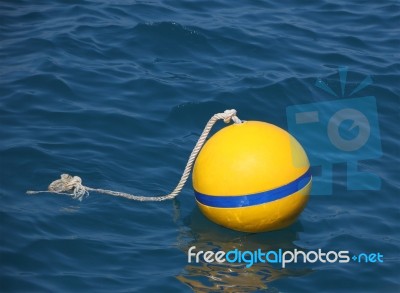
x=256, y=198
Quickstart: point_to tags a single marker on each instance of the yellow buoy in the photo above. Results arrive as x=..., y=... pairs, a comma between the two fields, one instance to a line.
x=252, y=177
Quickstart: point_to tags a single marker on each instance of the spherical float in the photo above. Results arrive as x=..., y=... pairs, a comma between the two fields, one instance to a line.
x=252, y=177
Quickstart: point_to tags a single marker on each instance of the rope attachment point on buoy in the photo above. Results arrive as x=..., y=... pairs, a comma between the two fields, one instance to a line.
x=72, y=185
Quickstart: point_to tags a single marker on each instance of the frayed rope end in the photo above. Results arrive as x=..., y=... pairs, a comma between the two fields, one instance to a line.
x=67, y=184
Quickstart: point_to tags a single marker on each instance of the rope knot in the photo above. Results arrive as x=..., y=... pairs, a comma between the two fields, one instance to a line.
x=231, y=115
x=69, y=184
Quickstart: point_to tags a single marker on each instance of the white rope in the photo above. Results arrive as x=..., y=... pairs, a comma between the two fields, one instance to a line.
x=72, y=185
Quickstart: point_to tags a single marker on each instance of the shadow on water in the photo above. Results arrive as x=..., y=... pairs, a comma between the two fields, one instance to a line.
x=232, y=277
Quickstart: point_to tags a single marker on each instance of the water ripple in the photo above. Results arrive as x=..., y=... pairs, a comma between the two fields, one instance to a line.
x=118, y=94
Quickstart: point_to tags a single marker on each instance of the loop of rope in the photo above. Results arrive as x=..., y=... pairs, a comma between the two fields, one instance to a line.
x=72, y=185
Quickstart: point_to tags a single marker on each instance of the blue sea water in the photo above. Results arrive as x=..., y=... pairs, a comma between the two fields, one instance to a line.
x=118, y=92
